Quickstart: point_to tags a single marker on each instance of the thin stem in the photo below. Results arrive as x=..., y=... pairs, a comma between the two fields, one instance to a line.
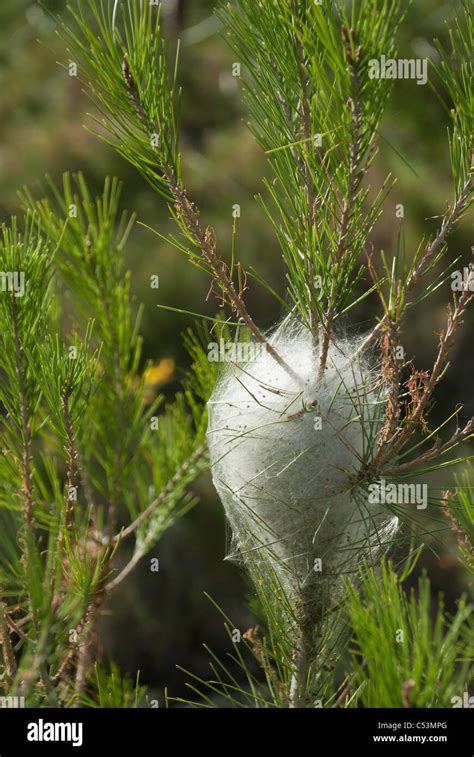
x=72, y=460
x=309, y=615
x=354, y=176
x=303, y=656
x=117, y=382
x=143, y=517
x=434, y=452
x=26, y=429
x=6, y=644
x=431, y=251
x=26, y=473
x=308, y=178
x=204, y=239
x=167, y=490
x=389, y=451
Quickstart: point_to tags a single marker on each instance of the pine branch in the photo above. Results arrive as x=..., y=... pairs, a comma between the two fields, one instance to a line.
x=169, y=489
x=354, y=177
x=26, y=428
x=188, y=218
x=391, y=447
x=6, y=644
x=459, y=511
x=431, y=253
x=72, y=460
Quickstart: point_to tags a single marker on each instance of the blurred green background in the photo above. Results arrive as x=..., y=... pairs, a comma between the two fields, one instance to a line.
x=156, y=621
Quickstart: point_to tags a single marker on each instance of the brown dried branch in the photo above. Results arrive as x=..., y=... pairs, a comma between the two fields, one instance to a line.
x=432, y=249
x=391, y=366
x=416, y=385
x=258, y=650
x=435, y=451
x=391, y=447
x=187, y=212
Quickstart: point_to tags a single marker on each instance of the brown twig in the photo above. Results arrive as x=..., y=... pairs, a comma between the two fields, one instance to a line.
x=205, y=240
x=390, y=448
x=72, y=457
x=354, y=177
x=431, y=251
x=309, y=615
x=305, y=81
x=83, y=653
x=258, y=650
x=434, y=452
x=6, y=644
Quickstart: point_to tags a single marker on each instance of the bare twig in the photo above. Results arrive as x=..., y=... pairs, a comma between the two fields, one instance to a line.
x=390, y=448
x=431, y=251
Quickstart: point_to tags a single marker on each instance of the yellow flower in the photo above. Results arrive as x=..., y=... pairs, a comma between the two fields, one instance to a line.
x=161, y=372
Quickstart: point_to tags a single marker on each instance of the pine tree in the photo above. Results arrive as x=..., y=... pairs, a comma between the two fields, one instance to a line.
x=315, y=436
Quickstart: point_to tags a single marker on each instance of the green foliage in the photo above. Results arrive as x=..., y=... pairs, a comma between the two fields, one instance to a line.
x=402, y=656
x=108, y=688
x=24, y=318
x=456, y=71
x=66, y=379
x=124, y=64
x=300, y=84
x=459, y=510
x=236, y=682
x=89, y=460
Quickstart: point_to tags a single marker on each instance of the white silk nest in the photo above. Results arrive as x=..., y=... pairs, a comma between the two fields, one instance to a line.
x=285, y=452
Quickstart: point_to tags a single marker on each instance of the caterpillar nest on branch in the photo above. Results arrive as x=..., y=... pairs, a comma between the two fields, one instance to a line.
x=285, y=451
